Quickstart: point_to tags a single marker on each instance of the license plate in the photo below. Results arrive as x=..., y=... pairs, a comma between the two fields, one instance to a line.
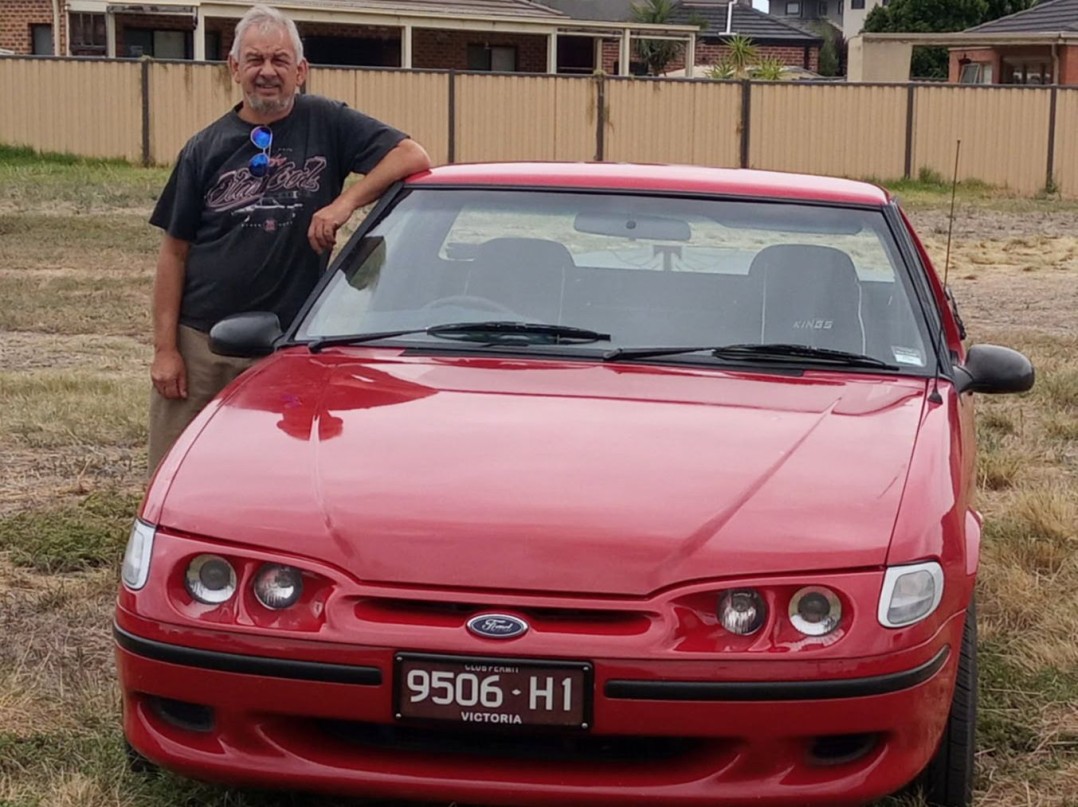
x=484, y=692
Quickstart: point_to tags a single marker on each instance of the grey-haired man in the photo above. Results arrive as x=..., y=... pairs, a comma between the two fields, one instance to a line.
x=251, y=212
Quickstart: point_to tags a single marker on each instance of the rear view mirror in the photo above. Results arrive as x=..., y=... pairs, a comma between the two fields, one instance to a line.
x=994, y=370
x=247, y=336
x=630, y=225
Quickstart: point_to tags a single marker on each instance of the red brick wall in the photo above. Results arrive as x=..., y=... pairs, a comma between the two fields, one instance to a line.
x=16, y=17
x=1068, y=65
x=449, y=49
x=712, y=53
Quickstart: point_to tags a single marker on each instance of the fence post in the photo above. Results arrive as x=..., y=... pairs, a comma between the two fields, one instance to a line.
x=1050, y=180
x=907, y=171
x=746, y=117
x=600, y=119
x=452, y=155
x=146, y=155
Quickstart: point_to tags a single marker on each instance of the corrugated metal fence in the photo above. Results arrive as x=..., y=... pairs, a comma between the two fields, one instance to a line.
x=1020, y=137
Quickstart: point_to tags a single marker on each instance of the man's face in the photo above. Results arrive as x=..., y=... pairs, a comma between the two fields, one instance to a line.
x=268, y=69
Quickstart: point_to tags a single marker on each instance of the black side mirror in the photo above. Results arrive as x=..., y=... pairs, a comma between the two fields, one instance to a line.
x=247, y=336
x=995, y=370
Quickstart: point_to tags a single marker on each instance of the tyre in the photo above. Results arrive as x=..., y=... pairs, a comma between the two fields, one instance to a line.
x=948, y=779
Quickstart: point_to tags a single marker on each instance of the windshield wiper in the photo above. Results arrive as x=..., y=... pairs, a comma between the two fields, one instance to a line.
x=550, y=334
x=769, y=352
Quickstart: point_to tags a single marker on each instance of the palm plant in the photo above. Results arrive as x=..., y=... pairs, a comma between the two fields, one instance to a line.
x=655, y=53
x=741, y=54
x=769, y=68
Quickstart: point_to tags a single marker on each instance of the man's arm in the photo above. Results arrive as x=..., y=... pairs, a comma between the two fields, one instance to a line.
x=168, y=373
x=405, y=159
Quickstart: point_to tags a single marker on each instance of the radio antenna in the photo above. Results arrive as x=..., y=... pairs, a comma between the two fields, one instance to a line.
x=935, y=394
x=950, y=225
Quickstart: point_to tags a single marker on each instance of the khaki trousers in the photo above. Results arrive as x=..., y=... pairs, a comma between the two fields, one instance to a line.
x=207, y=374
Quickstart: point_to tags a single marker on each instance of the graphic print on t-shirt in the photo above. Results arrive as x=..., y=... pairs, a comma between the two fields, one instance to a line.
x=270, y=202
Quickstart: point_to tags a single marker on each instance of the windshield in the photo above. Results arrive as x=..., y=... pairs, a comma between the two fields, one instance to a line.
x=645, y=270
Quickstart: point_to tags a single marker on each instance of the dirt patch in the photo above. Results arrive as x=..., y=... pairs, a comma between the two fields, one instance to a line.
x=1029, y=260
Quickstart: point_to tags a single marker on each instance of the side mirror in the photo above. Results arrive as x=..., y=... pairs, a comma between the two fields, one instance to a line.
x=995, y=370
x=246, y=336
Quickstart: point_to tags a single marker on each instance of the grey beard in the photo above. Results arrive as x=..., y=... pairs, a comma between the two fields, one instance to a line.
x=265, y=106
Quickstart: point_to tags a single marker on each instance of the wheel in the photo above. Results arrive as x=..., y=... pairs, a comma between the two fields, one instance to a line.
x=948, y=779
x=471, y=301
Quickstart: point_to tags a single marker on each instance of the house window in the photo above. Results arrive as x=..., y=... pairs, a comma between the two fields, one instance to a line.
x=41, y=40
x=975, y=73
x=793, y=9
x=857, y=4
x=158, y=44
x=496, y=59
x=213, y=46
x=823, y=9
x=88, y=34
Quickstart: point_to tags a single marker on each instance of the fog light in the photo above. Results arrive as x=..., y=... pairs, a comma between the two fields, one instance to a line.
x=278, y=586
x=210, y=579
x=815, y=610
x=742, y=611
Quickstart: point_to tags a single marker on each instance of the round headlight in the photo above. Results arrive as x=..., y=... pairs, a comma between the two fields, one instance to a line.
x=815, y=610
x=210, y=579
x=278, y=586
x=742, y=611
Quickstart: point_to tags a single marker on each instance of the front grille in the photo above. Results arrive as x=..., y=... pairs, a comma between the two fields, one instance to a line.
x=608, y=621
x=533, y=746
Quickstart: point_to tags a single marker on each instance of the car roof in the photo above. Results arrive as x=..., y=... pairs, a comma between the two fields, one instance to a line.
x=652, y=177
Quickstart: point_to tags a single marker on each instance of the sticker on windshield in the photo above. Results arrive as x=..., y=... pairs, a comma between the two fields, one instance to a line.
x=908, y=355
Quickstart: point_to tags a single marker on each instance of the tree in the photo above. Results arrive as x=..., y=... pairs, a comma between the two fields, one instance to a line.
x=656, y=53
x=1004, y=8
x=833, y=49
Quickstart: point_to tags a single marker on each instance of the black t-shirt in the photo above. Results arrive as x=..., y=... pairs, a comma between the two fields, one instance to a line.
x=248, y=235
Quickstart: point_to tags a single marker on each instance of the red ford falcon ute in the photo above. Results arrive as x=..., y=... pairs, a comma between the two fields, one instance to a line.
x=580, y=484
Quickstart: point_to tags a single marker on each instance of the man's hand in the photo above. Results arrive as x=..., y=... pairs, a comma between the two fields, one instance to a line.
x=169, y=374
x=324, y=224
x=404, y=159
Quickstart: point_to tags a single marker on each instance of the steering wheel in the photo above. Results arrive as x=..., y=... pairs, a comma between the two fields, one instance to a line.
x=471, y=301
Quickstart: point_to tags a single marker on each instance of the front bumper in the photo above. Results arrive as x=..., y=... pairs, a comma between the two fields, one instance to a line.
x=660, y=732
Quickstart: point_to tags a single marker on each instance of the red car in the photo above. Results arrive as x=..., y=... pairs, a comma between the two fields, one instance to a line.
x=580, y=484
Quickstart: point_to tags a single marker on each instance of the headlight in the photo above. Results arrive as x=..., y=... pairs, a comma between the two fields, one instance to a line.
x=742, y=611
x=210, y=579
x=815, y=610
x=910, y=593
x=136, y=568
x=278, y=586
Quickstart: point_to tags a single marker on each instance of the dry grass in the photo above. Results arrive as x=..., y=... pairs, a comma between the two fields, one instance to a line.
x=76, y=258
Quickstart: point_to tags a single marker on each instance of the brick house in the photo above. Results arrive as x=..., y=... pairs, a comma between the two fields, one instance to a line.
x=717, y=22
x=773, y=36
x=482, y=35
x=1044, y=49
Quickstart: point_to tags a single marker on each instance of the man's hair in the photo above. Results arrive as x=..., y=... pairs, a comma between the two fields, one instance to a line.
x=262, y=17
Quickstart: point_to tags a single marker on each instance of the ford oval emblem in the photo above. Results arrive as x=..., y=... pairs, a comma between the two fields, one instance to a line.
x=497, y=626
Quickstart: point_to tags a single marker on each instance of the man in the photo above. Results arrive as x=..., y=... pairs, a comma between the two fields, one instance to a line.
x=251, y=213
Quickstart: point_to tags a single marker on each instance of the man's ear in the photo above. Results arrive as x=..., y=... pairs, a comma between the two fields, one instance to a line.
x=301, y=72
x=234, y=68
